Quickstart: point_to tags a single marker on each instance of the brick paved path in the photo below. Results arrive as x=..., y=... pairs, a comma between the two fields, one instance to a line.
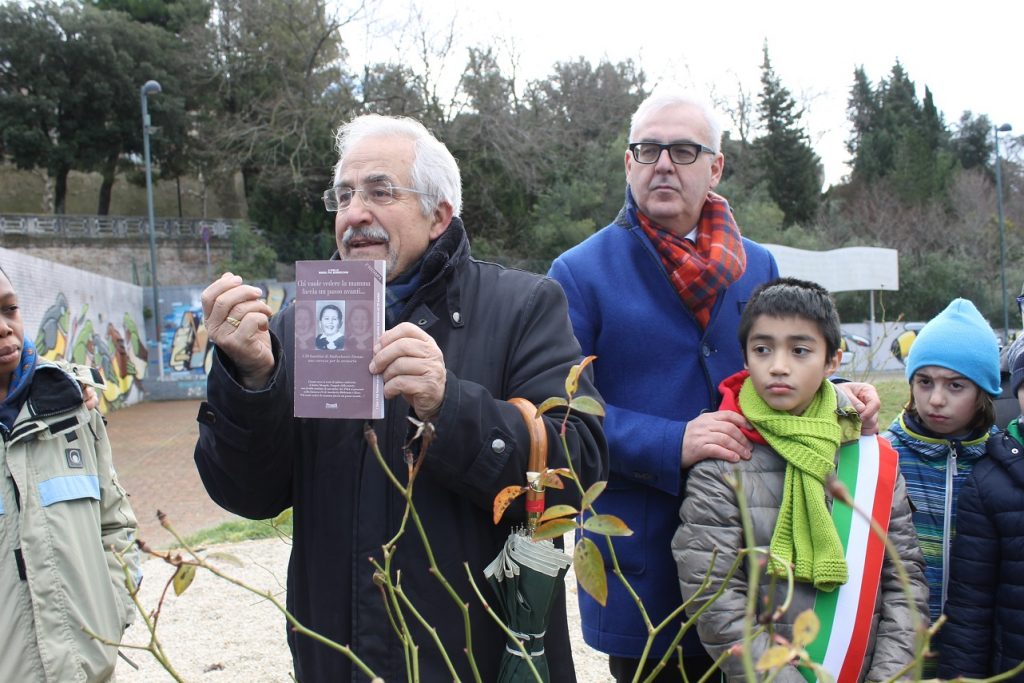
x=153, y=444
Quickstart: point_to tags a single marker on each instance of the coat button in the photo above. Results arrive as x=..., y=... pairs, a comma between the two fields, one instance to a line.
x=421, y=322
x=705, y=349
x=457, y=317
x=498, y=446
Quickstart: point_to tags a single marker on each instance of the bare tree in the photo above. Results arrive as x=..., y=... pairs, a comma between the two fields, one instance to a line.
x=741, y=109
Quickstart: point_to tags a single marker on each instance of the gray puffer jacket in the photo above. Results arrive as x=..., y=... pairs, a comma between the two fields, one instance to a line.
x=711, y=520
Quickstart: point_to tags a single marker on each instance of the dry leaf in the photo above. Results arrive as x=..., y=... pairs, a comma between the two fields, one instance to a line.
x=774, y=657
x=183, y=578
x=504, y=499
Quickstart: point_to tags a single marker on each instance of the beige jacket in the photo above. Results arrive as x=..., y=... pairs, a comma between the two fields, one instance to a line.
x=711, y=519
x=61, y=511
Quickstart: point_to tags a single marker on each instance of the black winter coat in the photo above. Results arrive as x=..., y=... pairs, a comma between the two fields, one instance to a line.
x=984, y=634
x=504, y=333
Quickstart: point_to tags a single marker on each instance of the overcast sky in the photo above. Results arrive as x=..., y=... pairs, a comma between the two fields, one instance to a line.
x=969, y=60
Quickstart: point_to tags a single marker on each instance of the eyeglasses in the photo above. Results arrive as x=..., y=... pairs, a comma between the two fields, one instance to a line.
x=681, y=153
x=379, y=194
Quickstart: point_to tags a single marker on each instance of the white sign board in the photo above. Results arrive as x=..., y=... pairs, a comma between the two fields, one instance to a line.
x=841, y=270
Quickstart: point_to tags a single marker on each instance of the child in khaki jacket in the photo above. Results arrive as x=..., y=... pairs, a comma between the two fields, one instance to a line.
x=63, y=515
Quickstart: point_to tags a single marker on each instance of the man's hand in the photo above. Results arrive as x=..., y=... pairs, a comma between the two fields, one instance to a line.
x=238, y=322
x=716, y=435
x=412, y=366
x=865, y=399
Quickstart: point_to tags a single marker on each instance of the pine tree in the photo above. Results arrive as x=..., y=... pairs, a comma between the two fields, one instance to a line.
x=861, y=108
x=784, y=154
x=897, y=138
x=932, y=125
x=972, y=143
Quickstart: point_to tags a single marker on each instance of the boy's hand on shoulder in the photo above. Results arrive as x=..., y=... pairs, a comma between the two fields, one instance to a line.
x=716, y=435
x=867, y=402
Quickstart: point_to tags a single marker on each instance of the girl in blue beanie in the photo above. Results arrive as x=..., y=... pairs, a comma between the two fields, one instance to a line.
x=985, y=632
x=953, y=369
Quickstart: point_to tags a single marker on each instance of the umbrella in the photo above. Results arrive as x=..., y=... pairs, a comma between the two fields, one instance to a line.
x=527, y=575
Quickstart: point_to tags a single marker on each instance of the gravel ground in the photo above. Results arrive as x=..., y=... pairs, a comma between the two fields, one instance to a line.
x=216, y=631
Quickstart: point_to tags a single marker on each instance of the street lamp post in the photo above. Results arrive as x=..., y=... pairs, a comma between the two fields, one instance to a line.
x=151, y=88
x=1002, y=232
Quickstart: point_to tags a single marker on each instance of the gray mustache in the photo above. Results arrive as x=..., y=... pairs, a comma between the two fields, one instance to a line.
x=368, y=233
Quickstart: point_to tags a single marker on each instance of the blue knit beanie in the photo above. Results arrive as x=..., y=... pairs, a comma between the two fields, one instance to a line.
x=959, y=339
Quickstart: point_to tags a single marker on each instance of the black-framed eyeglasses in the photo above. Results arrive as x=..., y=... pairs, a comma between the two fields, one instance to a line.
x=382, y=193
x=681, y=153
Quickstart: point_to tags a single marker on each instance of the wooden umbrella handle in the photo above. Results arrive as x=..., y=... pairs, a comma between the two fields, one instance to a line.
x=538, y=460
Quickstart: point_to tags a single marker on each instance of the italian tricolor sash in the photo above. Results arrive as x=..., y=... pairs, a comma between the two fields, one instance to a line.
x=868, y=469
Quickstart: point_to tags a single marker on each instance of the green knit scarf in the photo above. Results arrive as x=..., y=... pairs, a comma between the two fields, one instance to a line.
x=805, y=535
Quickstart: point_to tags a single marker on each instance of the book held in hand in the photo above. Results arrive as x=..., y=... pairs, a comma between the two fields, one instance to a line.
x=339, y=316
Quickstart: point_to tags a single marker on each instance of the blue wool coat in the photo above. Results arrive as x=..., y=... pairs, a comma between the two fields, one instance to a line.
x=985, y=632
x=656, y=369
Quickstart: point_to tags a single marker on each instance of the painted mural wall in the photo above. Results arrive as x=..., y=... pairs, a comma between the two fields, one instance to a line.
x=185, y=343
x=98, y=321
x=85, y=318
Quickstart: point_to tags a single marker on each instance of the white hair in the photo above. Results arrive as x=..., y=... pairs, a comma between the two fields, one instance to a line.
x=434, y=169
x=663, y=99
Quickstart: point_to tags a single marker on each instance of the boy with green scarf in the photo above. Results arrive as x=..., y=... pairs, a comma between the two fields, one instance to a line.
x=806, y=441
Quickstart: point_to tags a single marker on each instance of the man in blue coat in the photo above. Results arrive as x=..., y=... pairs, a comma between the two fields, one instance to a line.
x=657, y=297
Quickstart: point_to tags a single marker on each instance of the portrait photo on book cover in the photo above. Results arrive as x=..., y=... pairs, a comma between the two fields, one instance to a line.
x=330, y=316
x=359, y=326
x=306, y=330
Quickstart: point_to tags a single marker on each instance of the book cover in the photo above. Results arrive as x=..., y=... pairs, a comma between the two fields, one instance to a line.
x=339, y=315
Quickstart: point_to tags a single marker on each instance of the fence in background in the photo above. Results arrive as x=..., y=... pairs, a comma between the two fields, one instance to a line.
x=64, y=225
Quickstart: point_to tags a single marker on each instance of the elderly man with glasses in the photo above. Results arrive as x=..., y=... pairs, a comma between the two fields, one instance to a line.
x=463, y=337
x=657, y=297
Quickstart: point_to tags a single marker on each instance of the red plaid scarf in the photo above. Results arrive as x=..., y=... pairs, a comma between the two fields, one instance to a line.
x=701, y=271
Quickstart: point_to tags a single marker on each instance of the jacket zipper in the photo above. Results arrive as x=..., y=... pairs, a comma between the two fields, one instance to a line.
x=19, y=559
x=947, y=520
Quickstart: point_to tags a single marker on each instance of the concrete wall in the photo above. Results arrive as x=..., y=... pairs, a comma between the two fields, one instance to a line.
x=859, y=362
x=179, y=261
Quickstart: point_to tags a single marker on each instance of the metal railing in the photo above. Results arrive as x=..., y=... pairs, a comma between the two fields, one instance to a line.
x=64, y=225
